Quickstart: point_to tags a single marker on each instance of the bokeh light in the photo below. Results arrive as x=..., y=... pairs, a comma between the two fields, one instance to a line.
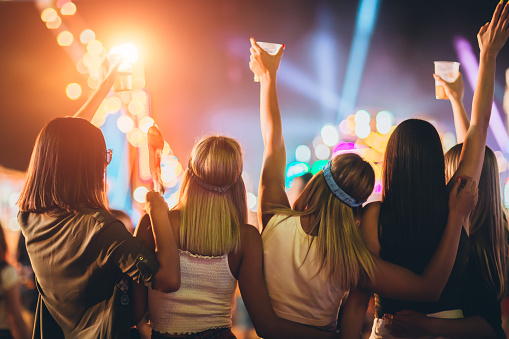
x=128, y=51
x=303, y=153
x=384, y=121
x=145, y=123
x=95, y=47
x=251, y=201
x=73, y=91
x=125, y=123
x=87, y=36
x=49, y=15
x=140, y=193
x=65, y=38
x=68, y=8
x=54, y=24
x=330, y=135
x=135, y=107
x=362, y=117
x=362, y=130
x=322, y=152
x=135, y=136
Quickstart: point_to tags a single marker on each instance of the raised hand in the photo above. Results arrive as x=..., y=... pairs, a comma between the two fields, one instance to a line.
x=455, y=90
x=493, y=35
x=262, y=63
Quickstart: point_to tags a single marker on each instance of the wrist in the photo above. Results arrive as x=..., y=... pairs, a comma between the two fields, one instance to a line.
x=487, y=55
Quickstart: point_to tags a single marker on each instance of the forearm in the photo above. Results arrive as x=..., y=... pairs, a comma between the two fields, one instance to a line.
x=440, y=266
x=88, y=110
x=270, y=116
x=166, y=252
x=484, y=91
x=461, y=122
x=354, y=314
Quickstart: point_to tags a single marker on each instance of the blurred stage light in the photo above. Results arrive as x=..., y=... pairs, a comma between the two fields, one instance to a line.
x=134, y=137
x=86, y=36
x=128, y=51
x=145, y=123
x=65, y=38
x=251, y=201
x=366, y=19
x=318, y=165
x=303, y=153
x=49, y=15
x=384, y=121
x=68, y=8
x=322, y=152
x=95, y=47
x=330, y=135
x=125, y=123
x=139, y=194
x=73, y=91
x=54, y=24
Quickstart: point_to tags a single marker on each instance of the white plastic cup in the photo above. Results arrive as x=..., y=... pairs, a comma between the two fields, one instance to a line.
x=269, y=47
x=447, y=70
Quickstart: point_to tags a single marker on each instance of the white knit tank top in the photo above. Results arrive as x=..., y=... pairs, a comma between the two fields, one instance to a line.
x=204, y=300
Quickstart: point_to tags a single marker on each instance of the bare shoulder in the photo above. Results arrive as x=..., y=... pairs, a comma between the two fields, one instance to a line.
x=369, y=226
x=249, y=233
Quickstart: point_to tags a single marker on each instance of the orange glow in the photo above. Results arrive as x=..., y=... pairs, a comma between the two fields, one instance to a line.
x=140, y=95
x=49, y=15
x=98, y=119
x=86, y=36
x=128, y=51
x=54, y=24
x=80, y=66
x=68, y=8
x=95, y=47
x=125, y=97
x=65, y=38
x=73, y=91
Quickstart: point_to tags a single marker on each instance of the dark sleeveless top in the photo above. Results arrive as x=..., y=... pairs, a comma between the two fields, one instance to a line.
x=451, y=295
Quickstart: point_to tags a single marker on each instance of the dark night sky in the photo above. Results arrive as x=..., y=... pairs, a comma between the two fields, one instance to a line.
x=196, y=55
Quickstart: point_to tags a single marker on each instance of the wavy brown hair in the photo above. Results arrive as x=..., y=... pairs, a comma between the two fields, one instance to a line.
x=66, y=169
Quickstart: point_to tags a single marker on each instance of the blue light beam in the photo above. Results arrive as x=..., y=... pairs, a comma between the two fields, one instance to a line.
x=366, y=19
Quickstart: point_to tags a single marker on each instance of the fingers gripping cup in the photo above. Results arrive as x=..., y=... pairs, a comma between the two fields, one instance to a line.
x=269, y=47
x=447, y=70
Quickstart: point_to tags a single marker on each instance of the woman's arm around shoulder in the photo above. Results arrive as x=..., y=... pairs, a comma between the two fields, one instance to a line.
x=256, y=298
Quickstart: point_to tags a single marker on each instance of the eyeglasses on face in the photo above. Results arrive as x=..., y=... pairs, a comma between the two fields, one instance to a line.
x=109, y=155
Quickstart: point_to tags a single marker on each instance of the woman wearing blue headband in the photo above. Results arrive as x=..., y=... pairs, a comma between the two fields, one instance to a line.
x=313, y=253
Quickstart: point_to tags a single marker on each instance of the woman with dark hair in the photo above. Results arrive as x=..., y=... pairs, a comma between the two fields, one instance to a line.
x=486, y=273
x=405, y=228
x=12, y=324
x=78, y=250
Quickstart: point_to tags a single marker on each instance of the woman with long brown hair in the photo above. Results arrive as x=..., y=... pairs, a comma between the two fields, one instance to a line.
x=80, y=252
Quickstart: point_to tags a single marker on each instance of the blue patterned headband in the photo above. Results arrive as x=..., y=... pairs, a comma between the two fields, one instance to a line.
x=336, y=190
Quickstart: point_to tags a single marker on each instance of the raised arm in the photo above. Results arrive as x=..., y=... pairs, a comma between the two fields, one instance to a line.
x=90, y=107
x=455, y=92
x=491, y=38
x=167, y=279
x=396, y=282
x=272, y=179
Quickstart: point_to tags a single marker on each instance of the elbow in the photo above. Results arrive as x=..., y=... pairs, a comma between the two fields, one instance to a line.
x=166, y=283
x=433, y=294
x=263, y=330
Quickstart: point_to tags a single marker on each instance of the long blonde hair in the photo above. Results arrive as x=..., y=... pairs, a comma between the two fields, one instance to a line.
x=342, y=252
x=212, y=198
x=488, y=226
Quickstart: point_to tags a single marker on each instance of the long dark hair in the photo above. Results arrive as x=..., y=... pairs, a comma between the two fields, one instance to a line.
x=414, y=209
x=488, y=225
x=66, y=169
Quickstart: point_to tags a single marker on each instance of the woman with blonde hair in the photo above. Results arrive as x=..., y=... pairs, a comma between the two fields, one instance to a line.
x=217, y=248
x=313, y=252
